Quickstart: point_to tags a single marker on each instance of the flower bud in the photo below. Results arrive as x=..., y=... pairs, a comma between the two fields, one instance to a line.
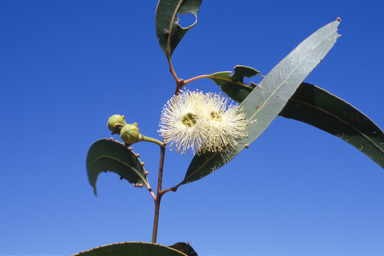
x=115, y=122
x=130, y=134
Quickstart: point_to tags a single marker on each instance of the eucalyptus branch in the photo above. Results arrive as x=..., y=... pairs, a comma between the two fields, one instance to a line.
x=159, y=195
x=196, y=78
x=179, y=85
x=174, y=189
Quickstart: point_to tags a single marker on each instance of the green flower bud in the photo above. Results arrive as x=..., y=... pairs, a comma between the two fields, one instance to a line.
x=130, y=134
x=115, y=122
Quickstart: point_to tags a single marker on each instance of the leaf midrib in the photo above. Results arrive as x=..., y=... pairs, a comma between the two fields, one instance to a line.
x=117, y=160
x=278, y=87
x=170, y=29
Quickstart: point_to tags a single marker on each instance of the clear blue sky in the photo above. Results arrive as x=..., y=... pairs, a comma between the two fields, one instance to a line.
x=66, y=66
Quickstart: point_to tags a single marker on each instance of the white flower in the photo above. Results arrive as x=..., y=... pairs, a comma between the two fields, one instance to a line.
x=199, y=123
x=226, y=124
x=181, y=122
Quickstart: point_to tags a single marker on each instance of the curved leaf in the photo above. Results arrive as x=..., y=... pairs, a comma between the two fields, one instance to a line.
x=167, y=20
x=265, y=102
x=132, y=248
x=185, y=248
x=315, y=106
x=109, y=155
x=233, y=84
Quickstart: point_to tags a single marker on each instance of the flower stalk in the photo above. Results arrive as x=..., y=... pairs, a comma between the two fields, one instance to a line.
x=152, y=140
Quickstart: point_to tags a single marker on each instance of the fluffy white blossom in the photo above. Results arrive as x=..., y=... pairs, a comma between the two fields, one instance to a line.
x=225, y=124
x=196, y=122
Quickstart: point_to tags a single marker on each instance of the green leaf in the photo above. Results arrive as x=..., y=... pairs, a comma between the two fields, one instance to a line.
x=315, y=106
x=185, y=248
x=109, y=155
x=233, y=84
x=167, y=20
x=266, y=101
x=132, y=248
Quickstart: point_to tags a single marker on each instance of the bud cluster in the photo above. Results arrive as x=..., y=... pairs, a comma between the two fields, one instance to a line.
x=129, y=133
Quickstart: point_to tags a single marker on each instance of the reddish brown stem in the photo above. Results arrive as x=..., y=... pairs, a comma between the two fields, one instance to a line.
x=159, y=195
x=179, y=85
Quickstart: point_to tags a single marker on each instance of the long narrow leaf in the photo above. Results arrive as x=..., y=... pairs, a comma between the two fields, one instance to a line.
x=315, y=106
x=266, y=101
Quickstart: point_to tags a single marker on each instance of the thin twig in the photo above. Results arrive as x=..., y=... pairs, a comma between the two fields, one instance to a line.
x=169, y=189
x=179, y=85
x=159, y=195
x=195, y=78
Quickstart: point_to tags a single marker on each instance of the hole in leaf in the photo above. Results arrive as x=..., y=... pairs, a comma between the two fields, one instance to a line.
x=255, y=79
x=249, y=80
x=186, y=20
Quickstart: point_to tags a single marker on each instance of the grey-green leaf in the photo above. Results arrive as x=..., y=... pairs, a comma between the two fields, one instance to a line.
x=315, y=106
x=266, y=101
x=132, y=248
x=109, y=155
x=233, y=84
x=168, y=30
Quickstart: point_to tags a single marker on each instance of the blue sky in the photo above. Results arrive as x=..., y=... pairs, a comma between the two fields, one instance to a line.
x=66, y=66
